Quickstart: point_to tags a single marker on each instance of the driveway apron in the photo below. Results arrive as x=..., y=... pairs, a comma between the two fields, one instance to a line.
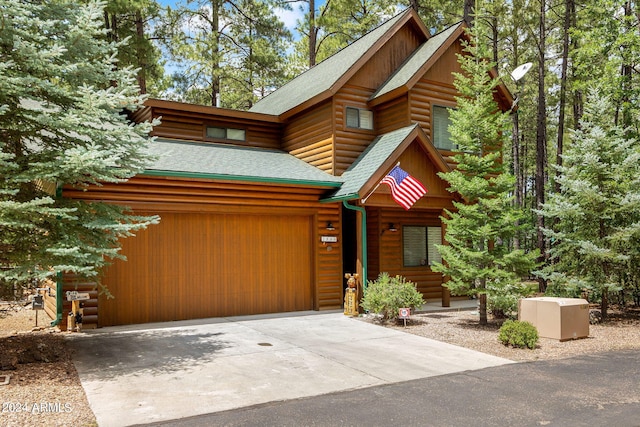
x=153, y=372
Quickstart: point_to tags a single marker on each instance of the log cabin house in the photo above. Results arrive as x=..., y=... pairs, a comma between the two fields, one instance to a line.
x=262, y=211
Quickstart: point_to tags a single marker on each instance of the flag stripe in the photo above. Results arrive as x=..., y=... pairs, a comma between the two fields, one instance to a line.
x=405, y=189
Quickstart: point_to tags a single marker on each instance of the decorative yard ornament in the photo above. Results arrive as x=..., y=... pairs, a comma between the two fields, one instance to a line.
x=351, y=295
x=351, y=280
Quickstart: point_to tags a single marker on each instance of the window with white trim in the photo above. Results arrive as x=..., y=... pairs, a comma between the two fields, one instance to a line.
x=441, y=121
x=226, y=133
x=359, y=119
x=419, y=245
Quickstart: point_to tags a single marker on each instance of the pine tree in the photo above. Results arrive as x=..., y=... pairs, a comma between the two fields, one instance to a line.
x=130, y=21
x=333, y=26
x=478, y=258
x=62, y=123
x=596, y=236
x=226, y=53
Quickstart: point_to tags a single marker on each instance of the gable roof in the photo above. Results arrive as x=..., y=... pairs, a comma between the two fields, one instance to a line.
x=418, y=63
x=325, y=78
x=228, y=162
x=379, y=157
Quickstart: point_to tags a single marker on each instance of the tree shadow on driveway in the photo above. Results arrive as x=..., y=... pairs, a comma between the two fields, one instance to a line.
x=147, y=352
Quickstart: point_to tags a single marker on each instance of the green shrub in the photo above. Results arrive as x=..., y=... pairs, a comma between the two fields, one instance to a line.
x=518, y=334
x=387, y=294
x=502, y=299
x=566, y=289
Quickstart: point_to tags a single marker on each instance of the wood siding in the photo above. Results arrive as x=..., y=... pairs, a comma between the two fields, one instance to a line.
x=350, y=142
x=423, y=96
x=386, y=61
x=221, y=249
x=309, y=137
x=389, y=246
x=393, y=115
x=191, y=126
x=442, y=70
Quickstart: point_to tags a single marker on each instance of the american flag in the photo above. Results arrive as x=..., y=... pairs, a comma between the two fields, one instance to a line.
x=405, y=189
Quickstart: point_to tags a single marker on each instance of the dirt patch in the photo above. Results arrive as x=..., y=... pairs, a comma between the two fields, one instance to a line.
x=43, y=386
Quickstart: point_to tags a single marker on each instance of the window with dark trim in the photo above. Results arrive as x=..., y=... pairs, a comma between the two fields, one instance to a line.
x=441, y=121
x=215, y=132
x=419, y=245
x=359, y=119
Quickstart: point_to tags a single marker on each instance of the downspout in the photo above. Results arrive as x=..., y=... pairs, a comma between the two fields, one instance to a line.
x=364, y=239
x=59, y=286
x=59, y=282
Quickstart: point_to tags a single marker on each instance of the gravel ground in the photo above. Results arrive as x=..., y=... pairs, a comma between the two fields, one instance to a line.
x=620, y=332
x=44, y=388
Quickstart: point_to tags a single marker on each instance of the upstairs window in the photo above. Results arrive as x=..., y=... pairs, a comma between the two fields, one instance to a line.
x=359, y=119
x=441, y=136
x=419, y=245
x=226, y=133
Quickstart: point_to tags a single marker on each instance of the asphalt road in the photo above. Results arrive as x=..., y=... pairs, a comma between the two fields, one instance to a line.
x=594, y=390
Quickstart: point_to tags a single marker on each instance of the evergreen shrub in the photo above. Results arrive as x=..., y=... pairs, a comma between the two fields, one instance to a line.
x=502, y=299
x=516, y=333
x=388, y=294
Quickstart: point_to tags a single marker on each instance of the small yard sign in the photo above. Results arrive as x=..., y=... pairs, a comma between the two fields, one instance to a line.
x=77, y=296
x=404, y=314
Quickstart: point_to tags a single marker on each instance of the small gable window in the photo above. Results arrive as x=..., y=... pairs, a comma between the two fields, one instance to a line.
x=419, y=245
x=360, y=119
x=441, y=136
x=226, y=133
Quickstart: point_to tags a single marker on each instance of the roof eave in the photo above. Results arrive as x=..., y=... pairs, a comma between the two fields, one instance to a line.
x=347, y=197
x=244, y=178
x=389, y=96
x=183, y=107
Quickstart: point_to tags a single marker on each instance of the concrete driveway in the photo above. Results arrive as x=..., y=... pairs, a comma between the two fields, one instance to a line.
x=153, y=372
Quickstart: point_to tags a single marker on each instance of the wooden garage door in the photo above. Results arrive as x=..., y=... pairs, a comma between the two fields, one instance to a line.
x=209, y=265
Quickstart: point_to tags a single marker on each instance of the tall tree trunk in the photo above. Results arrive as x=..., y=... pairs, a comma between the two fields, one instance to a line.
x=469, y=12
x=578, y=108
x=626, y=73
x=515, y=152
x=606, y=269
x=568, y=13
x=494, y=39
x=215, y=67
x=142, y=72
x=482, y=286
x=313, y=33
x=541, y=140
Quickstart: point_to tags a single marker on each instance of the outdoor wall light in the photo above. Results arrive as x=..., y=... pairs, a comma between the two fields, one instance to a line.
x=330, y=226
x=392, y=228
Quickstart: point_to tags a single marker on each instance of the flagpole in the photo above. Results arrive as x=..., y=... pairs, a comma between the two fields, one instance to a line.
x=374, y=190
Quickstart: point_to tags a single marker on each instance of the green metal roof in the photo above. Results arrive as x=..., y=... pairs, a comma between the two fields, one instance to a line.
x=220, y=161
x=413, y=64
x=323, y=76
x=368, y=163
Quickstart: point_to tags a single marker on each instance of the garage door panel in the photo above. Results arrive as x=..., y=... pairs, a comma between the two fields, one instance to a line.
x=206, y=265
